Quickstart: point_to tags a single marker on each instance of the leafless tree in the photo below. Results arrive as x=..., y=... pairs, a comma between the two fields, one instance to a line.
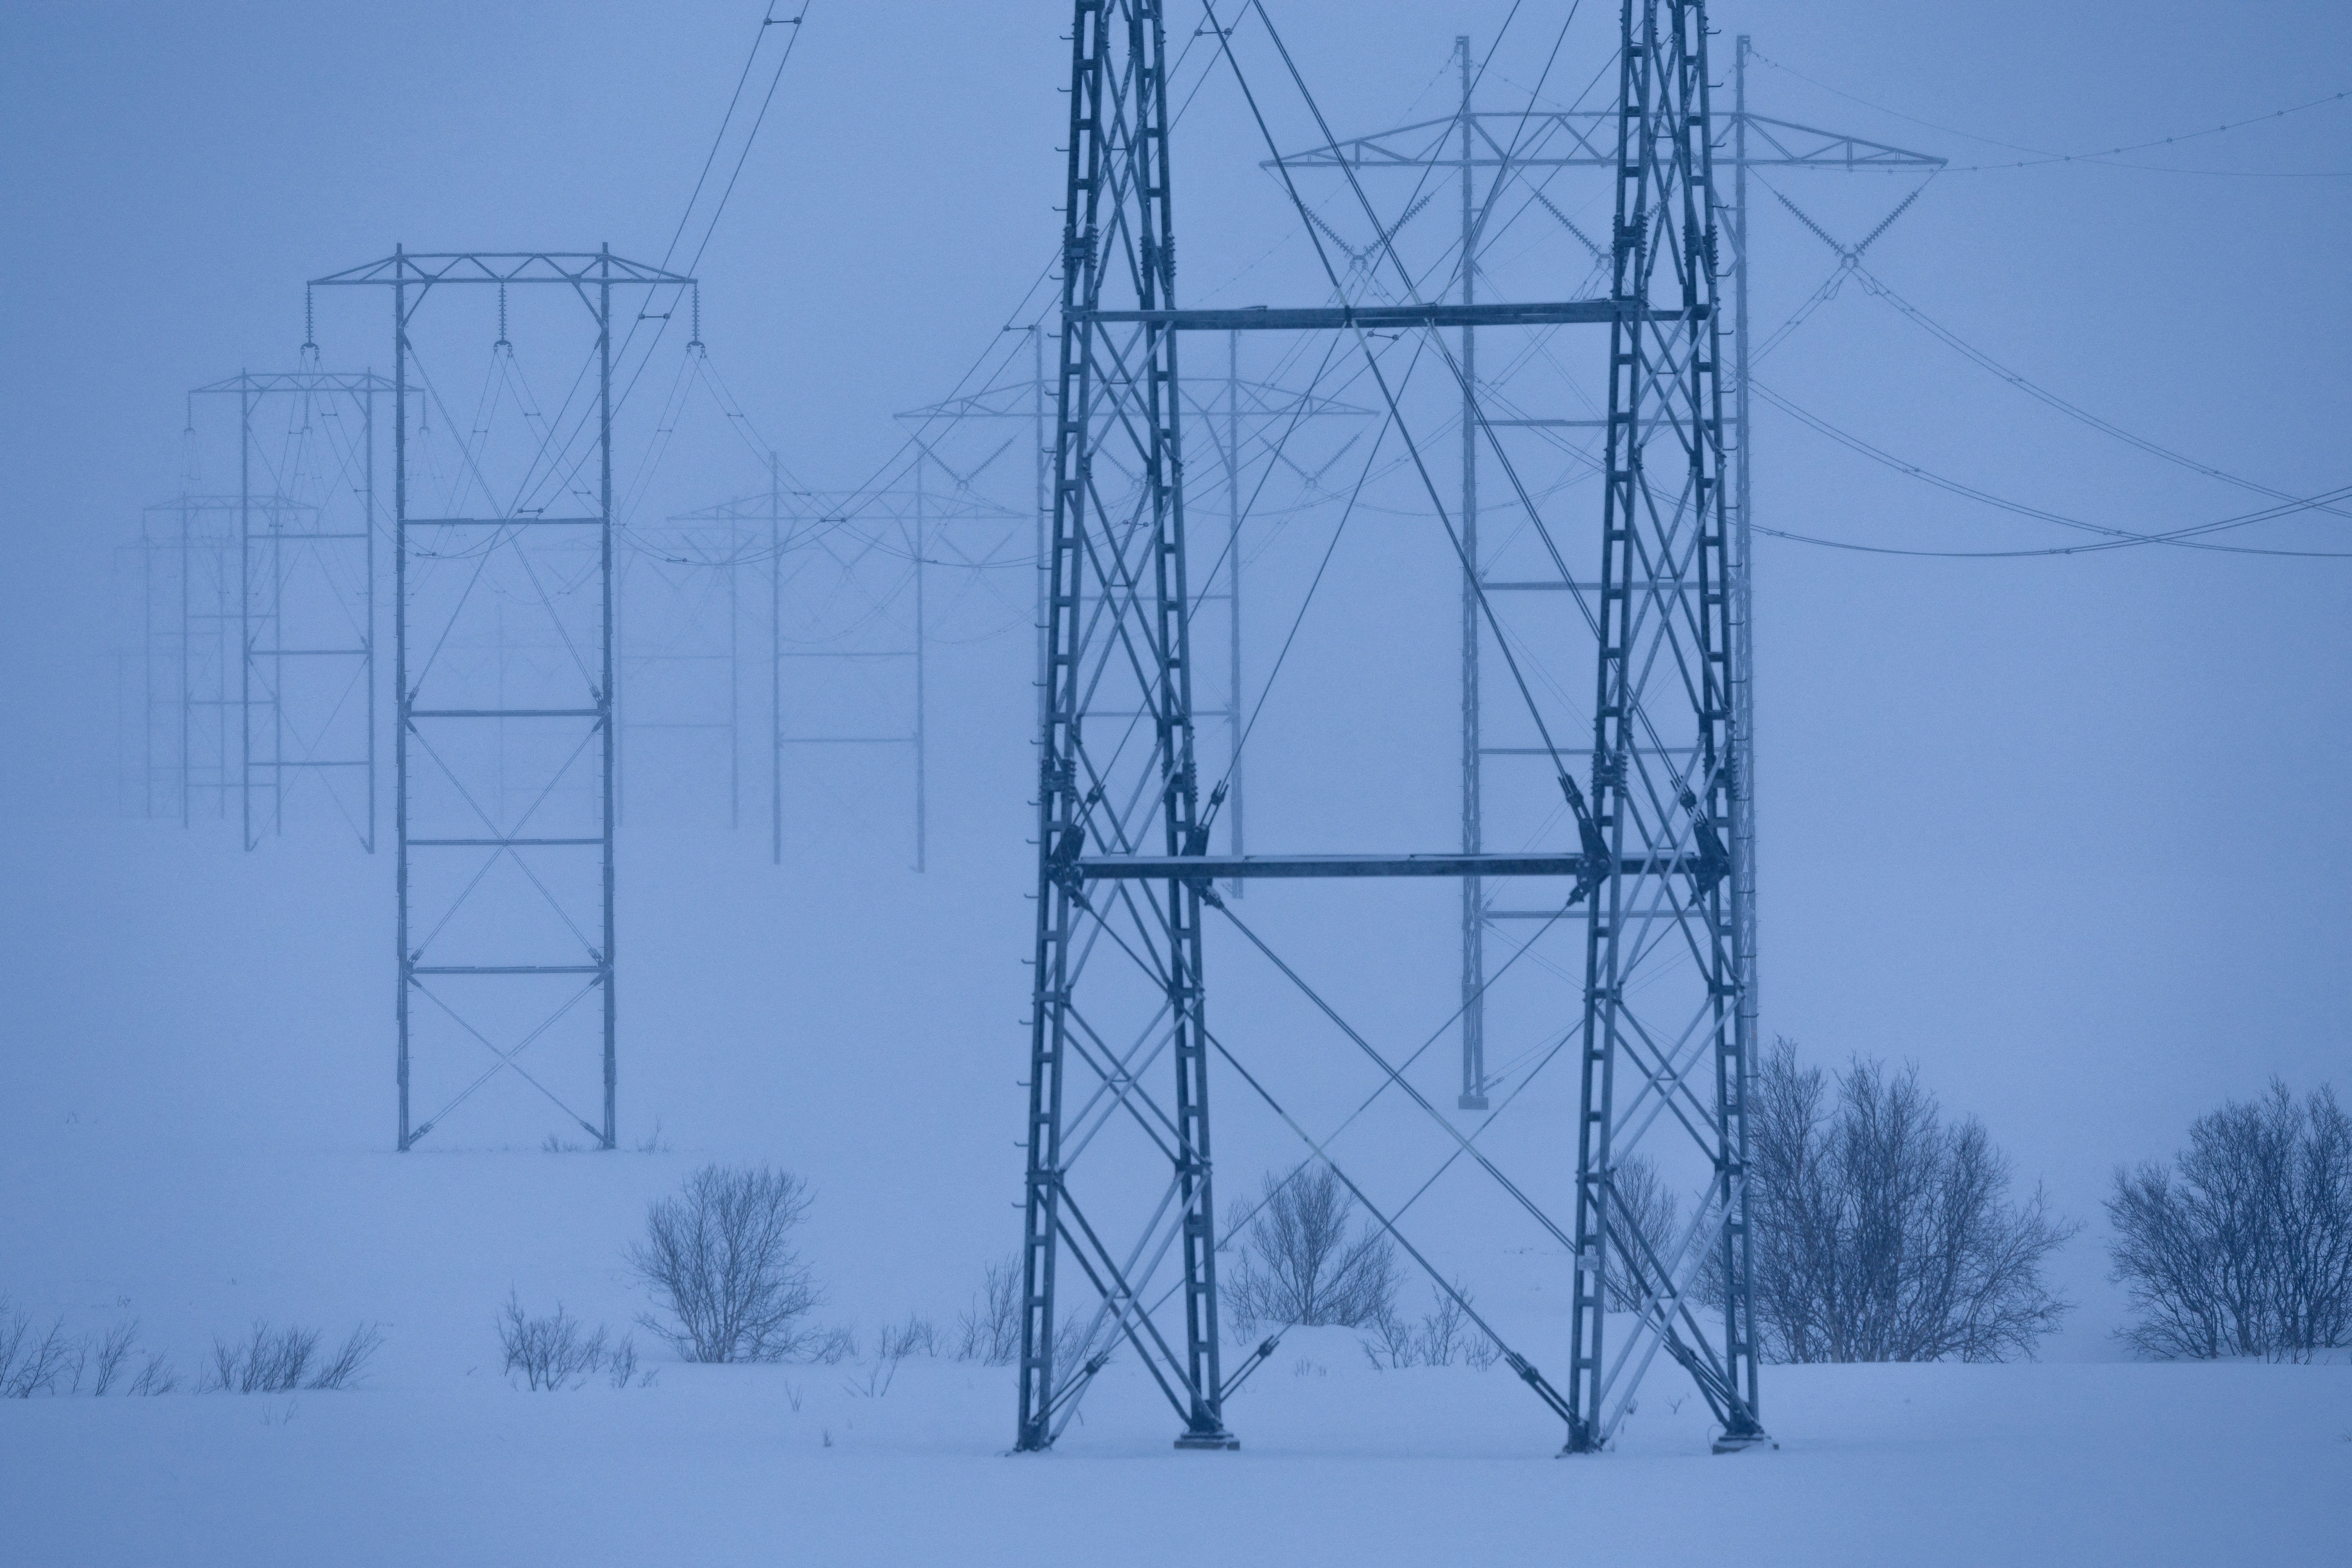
x=719, y=1262
x=2244, y=1246
x=1882, y=1234
x=992, y=1324
x=1298, y=1264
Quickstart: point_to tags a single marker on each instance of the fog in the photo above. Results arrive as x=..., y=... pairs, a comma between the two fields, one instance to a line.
x=2062, y=829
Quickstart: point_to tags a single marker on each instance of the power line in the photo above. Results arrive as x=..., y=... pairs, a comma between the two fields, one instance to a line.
x=2184, y=537
x=2044, y=157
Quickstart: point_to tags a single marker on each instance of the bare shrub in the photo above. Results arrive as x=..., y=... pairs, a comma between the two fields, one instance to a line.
x=2244, y=1246
x=719, y=1263
x=621, y=1363
x=342, y=1369
x=1298, y=1265
x=269, y=1362
x=551, y=1351
x=1443, y=1336
x=155, y=1377
x=991, y=1326
x=280, y=1361
x=1881, y=1233
x=32, y=1359
x=916, y=1336
x=828, y=1347
x=108, y=1356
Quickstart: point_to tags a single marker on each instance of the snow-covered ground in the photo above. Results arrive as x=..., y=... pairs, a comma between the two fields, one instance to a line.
x=2056, y=1464
x=193, y=1132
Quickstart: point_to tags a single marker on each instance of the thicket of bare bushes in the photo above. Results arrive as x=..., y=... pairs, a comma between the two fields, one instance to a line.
x=1882, y=1232
x=989, y=1329
x=1302, y=1263
x=557, y=1351
x=2243, y=1244
x=727, y=1282
x=1442, y=1336
x=280, y=1361
x=44, y=1359
x=36, y=1359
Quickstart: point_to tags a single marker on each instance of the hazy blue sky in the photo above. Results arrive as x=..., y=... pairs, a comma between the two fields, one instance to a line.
x=2067, y=832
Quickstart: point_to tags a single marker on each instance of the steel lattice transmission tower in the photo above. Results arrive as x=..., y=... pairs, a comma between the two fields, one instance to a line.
x=306, y=524
x=1661, y=853
x=503, y=766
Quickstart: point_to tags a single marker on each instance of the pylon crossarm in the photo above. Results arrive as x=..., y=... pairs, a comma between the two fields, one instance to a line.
x=1829, y=149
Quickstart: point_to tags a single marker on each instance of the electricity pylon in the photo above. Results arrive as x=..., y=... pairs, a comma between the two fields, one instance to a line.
x=1660, y=858
x=503, y=767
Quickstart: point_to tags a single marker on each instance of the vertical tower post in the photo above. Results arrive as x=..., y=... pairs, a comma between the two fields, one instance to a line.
x=1739, y=1249
x=775, y=664
x=187, y=663
x=1233, y=445
x=1473, y=898
x=607, y=719
x=245, y=649
x=922, y=825
x=734, y=674
x=372, y=620
x=403, y=697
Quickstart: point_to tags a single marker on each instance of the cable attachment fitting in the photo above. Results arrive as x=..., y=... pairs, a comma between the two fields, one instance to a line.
x=1714, y=861
x=1598, y=862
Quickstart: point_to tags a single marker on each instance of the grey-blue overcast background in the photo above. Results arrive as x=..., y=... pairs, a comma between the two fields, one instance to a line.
x=2068, y=832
